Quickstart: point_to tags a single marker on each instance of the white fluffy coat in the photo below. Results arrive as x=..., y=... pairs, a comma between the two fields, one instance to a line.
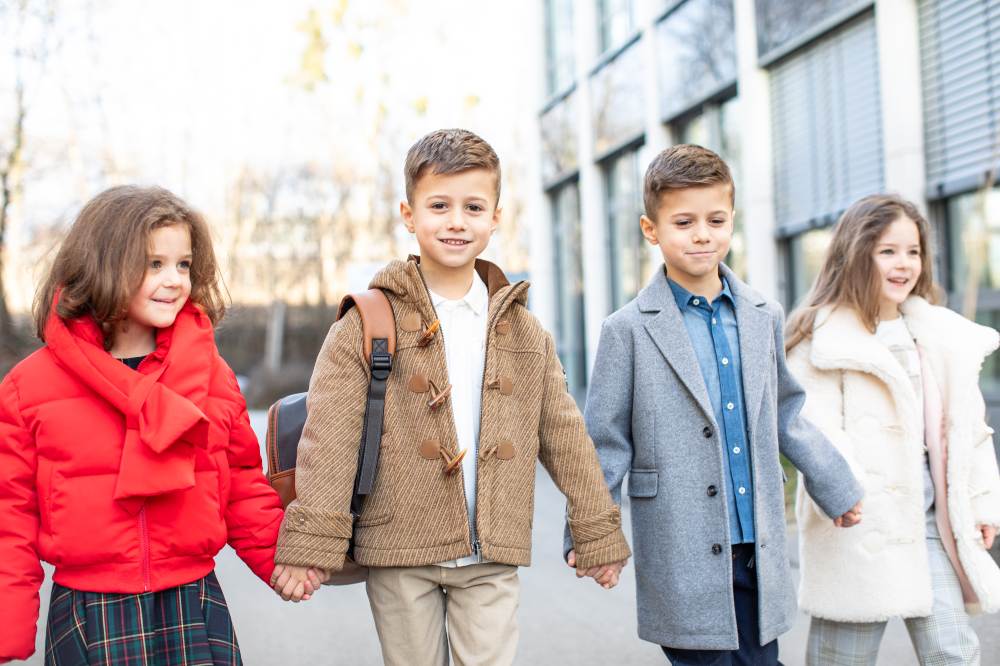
x=861, y=399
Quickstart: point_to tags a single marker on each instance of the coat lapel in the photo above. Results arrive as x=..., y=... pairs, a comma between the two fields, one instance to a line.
x=666, y=327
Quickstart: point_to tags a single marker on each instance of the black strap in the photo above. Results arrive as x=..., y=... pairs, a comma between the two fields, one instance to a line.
x=371, y=432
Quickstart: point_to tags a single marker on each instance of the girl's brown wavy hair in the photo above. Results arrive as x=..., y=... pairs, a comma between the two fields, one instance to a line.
x=849, y=276
x=102, y=261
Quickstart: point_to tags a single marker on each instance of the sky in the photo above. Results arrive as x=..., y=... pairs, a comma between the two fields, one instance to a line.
x=188, y=94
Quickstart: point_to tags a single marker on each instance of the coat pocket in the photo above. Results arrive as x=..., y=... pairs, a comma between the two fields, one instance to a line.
x=643, y=482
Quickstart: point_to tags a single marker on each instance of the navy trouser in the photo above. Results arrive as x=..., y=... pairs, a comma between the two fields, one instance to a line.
x=750, y=652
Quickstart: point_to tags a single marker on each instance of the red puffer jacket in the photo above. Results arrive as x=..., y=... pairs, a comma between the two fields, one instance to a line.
x=125, y=481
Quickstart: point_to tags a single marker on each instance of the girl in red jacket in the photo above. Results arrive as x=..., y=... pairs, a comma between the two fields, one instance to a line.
x=127, y=455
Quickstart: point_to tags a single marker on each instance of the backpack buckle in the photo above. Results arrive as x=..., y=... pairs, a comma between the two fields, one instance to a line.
x=381, y=365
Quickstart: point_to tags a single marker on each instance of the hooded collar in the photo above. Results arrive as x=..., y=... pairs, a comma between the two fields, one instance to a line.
x=477, y=298
x=161, y=403
x=404, y=281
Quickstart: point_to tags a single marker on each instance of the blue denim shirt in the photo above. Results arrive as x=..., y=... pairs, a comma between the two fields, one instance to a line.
x=716, y=341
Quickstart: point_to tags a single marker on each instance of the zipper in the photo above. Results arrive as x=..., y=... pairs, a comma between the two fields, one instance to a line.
x=473, y=520
x=144, y=548
x=473, y=540
x=482, y=395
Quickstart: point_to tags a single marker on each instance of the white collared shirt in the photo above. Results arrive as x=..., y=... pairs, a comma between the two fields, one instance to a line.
x=463, y=325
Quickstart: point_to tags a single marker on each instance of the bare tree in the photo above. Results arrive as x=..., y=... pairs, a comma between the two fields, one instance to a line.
x=31, y=24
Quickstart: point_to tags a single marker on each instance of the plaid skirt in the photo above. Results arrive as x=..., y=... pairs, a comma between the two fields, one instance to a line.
x=187, y=625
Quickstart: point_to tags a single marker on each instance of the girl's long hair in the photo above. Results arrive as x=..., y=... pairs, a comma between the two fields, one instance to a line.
x=849, y=276
x=102, y=261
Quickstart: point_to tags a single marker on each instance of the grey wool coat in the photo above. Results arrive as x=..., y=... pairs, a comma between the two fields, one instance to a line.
x=649, y=414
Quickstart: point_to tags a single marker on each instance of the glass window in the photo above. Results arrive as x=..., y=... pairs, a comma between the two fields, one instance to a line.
x=617, y=101
x=960, y=51
x=558, y=45
x=806, y=253
x=616, y=22
x=973, y=221
x=558, y=130
x=696, y=47
x=630, y=259
x=570, y=323
x=827, y=126
x=989, y=377
x=974, y=233
x=781, y=21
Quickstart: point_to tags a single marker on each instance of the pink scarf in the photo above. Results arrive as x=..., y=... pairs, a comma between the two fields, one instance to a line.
x=936, y=438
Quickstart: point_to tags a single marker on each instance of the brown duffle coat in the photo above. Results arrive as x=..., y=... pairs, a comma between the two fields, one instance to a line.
x=416, y=514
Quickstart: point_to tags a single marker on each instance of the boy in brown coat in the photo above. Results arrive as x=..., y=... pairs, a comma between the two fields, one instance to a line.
x=476, y=396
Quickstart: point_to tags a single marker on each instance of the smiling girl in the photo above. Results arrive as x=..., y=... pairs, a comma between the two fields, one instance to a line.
x=893, y=381
x=127, y=454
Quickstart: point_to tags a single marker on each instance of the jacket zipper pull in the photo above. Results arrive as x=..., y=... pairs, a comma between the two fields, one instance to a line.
x=476, y=551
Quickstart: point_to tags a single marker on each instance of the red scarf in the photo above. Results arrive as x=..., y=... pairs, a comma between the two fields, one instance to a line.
x=161, y=404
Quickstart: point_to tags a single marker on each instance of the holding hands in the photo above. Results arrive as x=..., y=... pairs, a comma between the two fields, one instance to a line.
x=989, y=534
x=850, y=518
x=297, y=584
x=606, y=575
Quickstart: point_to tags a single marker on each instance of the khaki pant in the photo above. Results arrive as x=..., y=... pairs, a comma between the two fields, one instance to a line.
x=412, y=607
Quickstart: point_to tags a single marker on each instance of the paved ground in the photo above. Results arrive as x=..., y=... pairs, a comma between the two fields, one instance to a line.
x=563, y=620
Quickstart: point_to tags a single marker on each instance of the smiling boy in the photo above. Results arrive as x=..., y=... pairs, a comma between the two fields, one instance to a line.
x=476, y=397
x=691, y=397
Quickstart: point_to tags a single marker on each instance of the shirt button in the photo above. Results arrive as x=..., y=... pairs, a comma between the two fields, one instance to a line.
x=696, y=302
x=743, y=491
x=713, y=320
x=716, y=548
x=729, y=405
x=725, y=361
x=736, y=449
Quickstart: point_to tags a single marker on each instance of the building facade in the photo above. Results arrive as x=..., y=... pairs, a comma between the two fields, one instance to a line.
x=814, y=103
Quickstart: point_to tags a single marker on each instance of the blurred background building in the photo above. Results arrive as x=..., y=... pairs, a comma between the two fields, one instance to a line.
x=814, y=103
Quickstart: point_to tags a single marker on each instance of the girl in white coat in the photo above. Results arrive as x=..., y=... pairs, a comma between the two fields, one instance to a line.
x=893, y=381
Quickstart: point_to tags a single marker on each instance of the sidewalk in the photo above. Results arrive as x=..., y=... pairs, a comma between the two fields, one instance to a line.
x=562, y=620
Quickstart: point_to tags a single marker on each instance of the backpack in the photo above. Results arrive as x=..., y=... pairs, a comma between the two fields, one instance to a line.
x=287, y=416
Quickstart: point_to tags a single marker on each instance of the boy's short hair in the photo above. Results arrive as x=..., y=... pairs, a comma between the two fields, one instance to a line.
x=448, y=151
x=680, y=167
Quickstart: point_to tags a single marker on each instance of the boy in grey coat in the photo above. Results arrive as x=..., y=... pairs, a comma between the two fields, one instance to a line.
x=691, y=397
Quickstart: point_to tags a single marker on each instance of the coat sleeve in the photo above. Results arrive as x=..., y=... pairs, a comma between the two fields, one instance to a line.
x=253, y=511
x=569, y=456
x=825, y=471
x=608, y=414
x=984, y=482
x=21, y=573
x=317, y=527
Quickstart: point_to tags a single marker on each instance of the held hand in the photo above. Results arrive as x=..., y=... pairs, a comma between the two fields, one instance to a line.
x=606, y=575
x=294, y=583
x=989, y=534
x=850, y=518
x=580, y=573
x=609, y=574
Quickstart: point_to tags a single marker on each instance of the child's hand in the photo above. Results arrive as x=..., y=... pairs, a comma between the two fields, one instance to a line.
x=605, y=575
x=850, y=518
x=989, y=533
x=296, y=584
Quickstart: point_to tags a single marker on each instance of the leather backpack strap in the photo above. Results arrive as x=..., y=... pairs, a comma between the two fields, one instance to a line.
x=379, y=327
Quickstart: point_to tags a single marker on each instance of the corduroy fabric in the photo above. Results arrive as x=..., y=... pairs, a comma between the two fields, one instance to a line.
x=417, y=514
